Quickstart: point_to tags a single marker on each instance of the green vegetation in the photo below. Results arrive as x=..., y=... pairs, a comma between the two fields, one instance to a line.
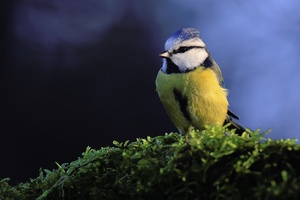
x=209, y=165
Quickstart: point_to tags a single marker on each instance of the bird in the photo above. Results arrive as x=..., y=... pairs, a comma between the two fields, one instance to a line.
x=190, y=85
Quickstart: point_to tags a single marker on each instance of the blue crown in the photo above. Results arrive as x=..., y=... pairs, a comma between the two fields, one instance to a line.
x=181, y=35
x=186, y=33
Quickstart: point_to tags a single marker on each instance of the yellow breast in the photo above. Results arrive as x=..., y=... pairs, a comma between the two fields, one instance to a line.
x=192, y=99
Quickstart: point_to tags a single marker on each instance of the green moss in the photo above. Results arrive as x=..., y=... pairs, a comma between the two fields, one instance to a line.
x=210, y=165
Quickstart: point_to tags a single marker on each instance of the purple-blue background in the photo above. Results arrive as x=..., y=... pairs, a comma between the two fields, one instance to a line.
x=81, y=73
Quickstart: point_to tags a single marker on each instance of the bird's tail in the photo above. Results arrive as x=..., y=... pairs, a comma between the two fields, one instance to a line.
x=239, y=129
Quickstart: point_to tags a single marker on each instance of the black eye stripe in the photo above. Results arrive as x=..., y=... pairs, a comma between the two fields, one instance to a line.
x=186, y=48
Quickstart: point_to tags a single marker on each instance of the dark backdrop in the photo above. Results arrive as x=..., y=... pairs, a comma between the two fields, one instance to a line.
x=57, y=101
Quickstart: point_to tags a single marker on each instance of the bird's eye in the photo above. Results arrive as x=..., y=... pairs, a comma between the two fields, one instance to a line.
x=186, y=48
x=182, y=49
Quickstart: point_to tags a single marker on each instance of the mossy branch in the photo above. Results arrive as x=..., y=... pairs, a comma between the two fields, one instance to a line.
x=209, y=165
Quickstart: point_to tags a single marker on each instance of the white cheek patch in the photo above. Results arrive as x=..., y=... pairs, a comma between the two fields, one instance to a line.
x=189, y=60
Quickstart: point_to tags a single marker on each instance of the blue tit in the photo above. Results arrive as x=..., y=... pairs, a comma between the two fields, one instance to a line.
x=190, y=84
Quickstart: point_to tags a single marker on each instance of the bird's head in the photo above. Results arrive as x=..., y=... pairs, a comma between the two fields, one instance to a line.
x=184, y=51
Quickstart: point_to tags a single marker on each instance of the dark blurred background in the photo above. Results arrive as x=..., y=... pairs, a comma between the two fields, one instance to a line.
x=77, y=74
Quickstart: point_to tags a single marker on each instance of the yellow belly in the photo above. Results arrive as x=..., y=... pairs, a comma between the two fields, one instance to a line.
x=206, y=100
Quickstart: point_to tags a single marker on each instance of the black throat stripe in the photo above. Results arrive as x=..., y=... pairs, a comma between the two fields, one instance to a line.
x=171, y=67
x=183, y=101
x=208, y=62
